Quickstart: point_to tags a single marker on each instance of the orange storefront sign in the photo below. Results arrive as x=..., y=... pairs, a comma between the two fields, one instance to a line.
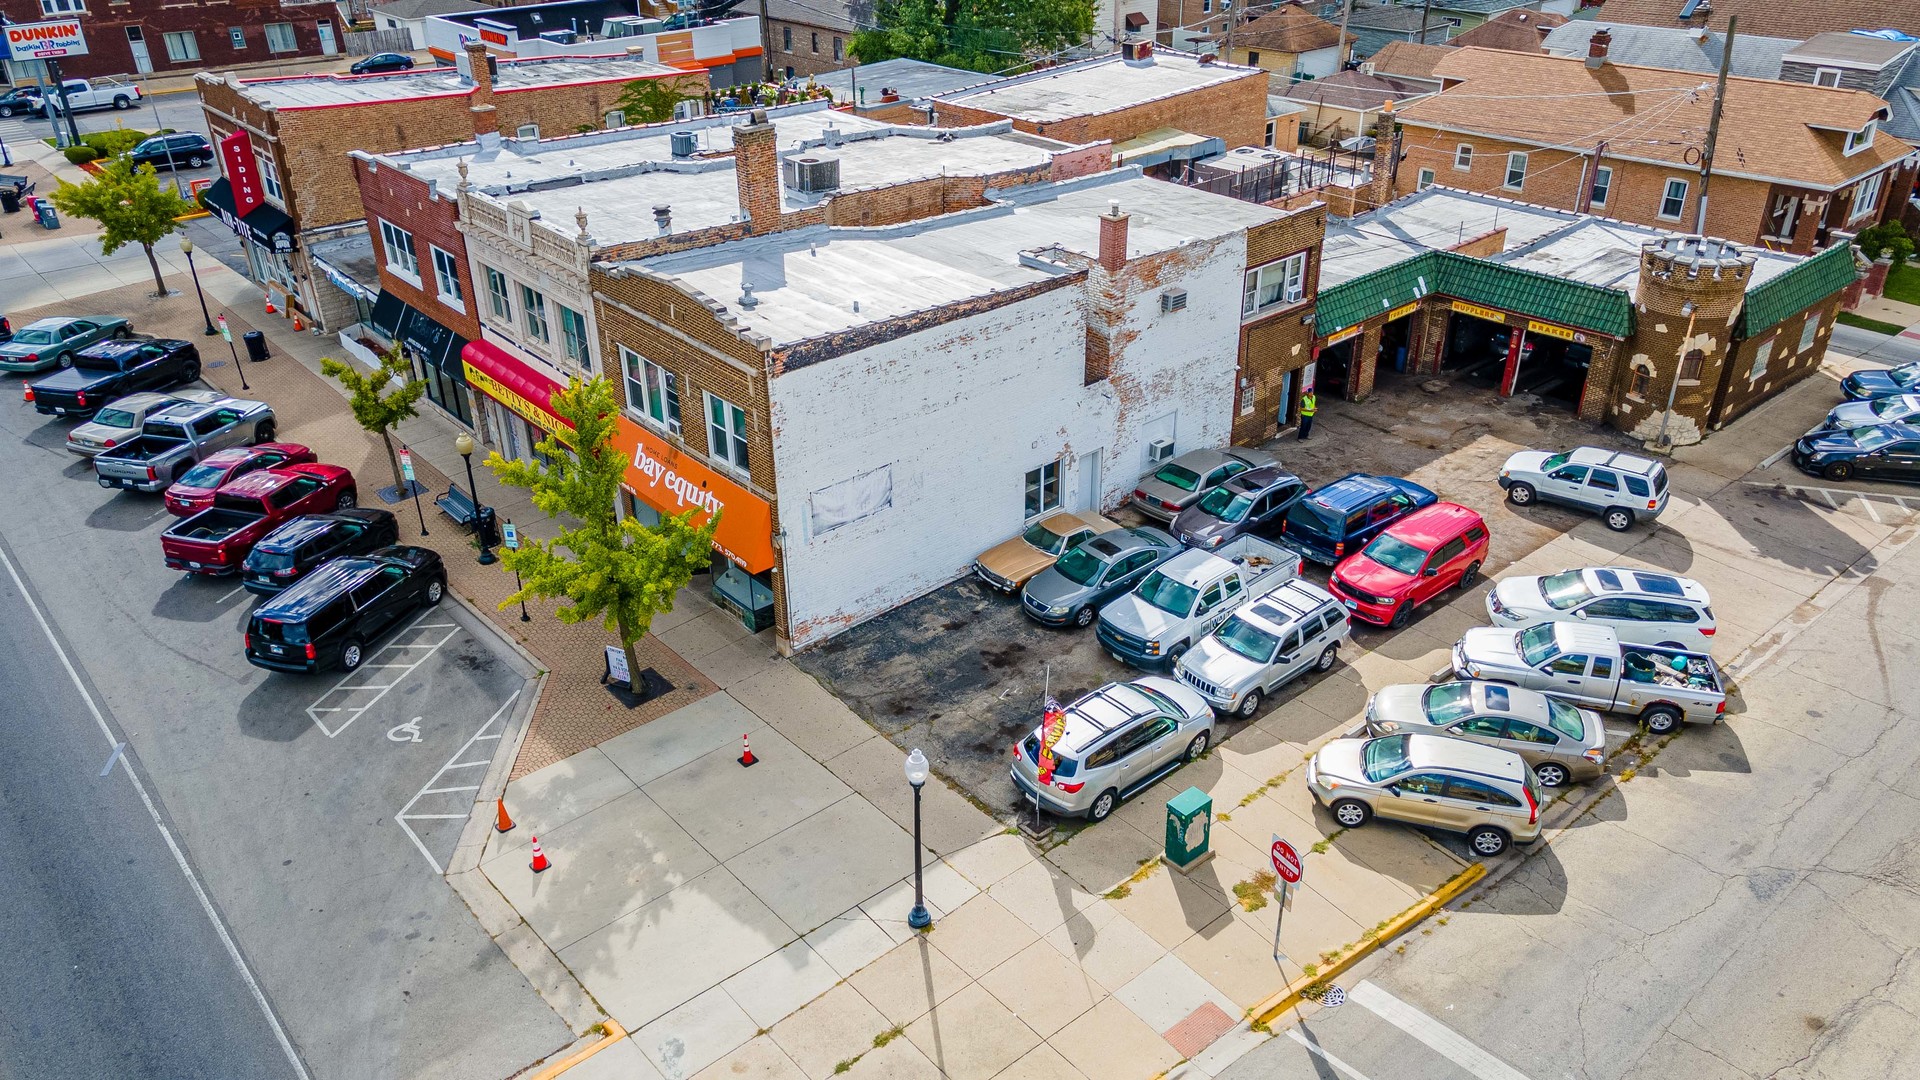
x=673, y=481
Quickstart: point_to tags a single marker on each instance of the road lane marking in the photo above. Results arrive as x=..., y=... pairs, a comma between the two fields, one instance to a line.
x=118, y=749
x=166, y=834
x=1314, y=1049
x=232, y=594
x=344, y=691
x=1867, y=505
x=1440, y=1038
x=405, y=815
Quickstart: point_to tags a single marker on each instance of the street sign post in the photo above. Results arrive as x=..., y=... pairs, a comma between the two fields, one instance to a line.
x=227, y=332
x=510, y=536
x=1289, y=869
x=406, y=473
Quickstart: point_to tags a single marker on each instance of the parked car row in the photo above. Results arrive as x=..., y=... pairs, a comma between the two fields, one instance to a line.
x=1874, y=433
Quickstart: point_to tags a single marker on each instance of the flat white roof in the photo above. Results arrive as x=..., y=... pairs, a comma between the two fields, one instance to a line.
x=1604, y=252
x=1434, y=218
x=1092, y=87
x=318, y=91
x=808, y=283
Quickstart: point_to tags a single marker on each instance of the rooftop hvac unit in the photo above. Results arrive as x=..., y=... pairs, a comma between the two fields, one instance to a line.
x=691, y=109
x=812, y=174
x=683, y=144
x=1173, y=300
x=1159, y=452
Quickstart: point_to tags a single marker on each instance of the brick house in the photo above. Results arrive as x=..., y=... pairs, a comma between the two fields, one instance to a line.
x=1768, y=18
x=1795, y=163
x=808, y=39
x=139, y=37
x=301, y=129
x=1287, y=41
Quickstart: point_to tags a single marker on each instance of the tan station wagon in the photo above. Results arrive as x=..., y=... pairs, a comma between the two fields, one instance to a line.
x=1007, y=566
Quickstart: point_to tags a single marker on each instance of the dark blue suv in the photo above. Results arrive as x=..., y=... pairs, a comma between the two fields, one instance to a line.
x=1334, y=521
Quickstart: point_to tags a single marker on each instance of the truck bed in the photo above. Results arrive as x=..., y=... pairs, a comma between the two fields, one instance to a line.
x=209, y=527
x=1259, y=557
x=139, y=452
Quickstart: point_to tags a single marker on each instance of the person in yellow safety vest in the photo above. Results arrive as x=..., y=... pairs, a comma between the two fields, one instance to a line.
x=1309, y=404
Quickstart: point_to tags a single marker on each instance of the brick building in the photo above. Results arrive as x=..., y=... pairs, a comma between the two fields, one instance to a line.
x=805, y=39
x=1794, y=163
x=301, y=128
x=139, y=37
x=727, y=50
x=1770, y=18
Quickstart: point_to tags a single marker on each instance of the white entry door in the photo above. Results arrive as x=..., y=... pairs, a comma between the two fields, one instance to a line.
x=1090, y=481
x=137, y=41
x=327, y=46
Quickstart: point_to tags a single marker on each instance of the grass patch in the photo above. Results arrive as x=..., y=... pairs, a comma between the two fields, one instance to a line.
x=599, y=1029
x=848, y=1064
x=1325, y=843
x=889, y=1035
x=1253, y=892
x=1903, y=283
x=1125, y=888
x=1860, y=322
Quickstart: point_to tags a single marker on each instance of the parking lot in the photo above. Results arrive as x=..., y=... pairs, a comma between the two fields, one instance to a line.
x=320, y=810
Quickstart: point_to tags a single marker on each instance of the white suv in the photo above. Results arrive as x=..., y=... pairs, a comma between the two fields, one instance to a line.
x=1621, y=488
x=1642, y=607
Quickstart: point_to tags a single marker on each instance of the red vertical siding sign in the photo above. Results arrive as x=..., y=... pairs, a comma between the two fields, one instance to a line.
x=243, y=176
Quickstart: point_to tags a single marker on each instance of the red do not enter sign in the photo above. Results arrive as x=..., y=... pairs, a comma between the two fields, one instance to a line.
x=1286, y=861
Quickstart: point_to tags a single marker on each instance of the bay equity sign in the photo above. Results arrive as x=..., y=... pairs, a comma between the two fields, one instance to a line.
x=673, y=481
x=45, y=40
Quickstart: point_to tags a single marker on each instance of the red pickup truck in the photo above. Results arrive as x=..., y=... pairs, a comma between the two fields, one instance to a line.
x=216, y=541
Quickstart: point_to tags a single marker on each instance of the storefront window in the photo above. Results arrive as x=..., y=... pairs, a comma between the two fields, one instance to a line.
x=748, y=596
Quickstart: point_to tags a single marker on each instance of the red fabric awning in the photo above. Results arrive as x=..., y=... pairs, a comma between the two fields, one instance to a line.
x=513, y=383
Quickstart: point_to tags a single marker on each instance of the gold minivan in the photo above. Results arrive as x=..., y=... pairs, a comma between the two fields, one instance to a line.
x=1443, y=783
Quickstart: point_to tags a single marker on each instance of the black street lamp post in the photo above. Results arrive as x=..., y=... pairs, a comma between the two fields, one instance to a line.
x=463, y=443
x=186, y=248
x=917, y=772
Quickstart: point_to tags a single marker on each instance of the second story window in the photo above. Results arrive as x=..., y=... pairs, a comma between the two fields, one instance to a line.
x=1673, y=201
x=1277, y=283
x=62, y=7
x=1602, y=184
x=497, y=303
x=446, y=275
x=652, y=390
x=1860, y=140
x=401, y=258
x=1463, y=157
x=533, y=315
x=269, y=177
x=1516, y=171
x=727, y=433
x=573, y=336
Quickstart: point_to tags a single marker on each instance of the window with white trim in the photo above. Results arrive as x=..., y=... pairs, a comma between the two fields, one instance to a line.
x=1424, y=181
x=533, y=315
x=1673, y=202
x=1463, y=157
x=269, y=178
x=1516, y=171
x=1602, y=185
x=573, y=336
x=652, y=391
x=238, y=35
x=1866, y=196
x=401, y=257
x=63, y=7
x=1760, y=357
x=727, y=433
x=446, y=274
x=181, y=46
x=497, y=301
x=1809, y=332
x=1826, y=77
x=1281, y=282
x=1860, y=140
x=1043, y=489
x=280, y=38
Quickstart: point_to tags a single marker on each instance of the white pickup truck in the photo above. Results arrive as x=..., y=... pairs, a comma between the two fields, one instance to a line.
x=98, y=94
x=1190, y=594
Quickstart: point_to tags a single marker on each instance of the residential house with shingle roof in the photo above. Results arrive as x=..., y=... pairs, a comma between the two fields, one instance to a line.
x=1794, y=163
x=1519, y=30
x=1348, y=104
x=1464, y=15
x=1408, y=62
x=1768, y=18
x=1675, y=48
x=1288, y=41
x=1375, y=27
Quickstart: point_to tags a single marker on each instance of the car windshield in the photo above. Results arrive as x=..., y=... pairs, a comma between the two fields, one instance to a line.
x=203, y=476
x=1890, y=408
x=1566, y=719
x=1386, y=757
x=1160, y=700
x=1226, y=505
x=34, y=337
x=1043, y=538
x=1555, y=462
x=1167, y=594
x=1247, y=639
x=114, y=418
x=1562, y=591
x=1873, y=438
x=1395, y=554
x=95, y=363
x=1179, y=476
x=1079, y=567
x=1448, y=702
x=1536, y=644
x=1905, y=374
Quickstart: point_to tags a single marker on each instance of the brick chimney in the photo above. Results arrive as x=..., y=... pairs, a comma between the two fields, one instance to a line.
x=1597, y=47
x=479, y=72
x=1380, y=190
x=1113, y=238
x=756, y=171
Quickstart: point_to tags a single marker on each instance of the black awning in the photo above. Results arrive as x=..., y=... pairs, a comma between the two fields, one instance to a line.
x=265, y=226
x=388, y=311
x=419, y=335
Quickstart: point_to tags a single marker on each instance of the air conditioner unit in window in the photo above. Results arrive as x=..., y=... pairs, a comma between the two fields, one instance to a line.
x=1173, y=300
x=1159, y=452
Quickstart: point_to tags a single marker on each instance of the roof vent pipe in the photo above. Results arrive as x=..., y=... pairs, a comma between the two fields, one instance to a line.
x=663, y=217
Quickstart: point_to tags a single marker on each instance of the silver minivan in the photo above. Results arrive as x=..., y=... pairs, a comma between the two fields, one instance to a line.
x=1119, y=739
x=1292, y=630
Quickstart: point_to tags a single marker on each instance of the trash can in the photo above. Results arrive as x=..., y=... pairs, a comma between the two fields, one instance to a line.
x=9, y=200
x=486, y=527
x=49, y=219
x=256, y=345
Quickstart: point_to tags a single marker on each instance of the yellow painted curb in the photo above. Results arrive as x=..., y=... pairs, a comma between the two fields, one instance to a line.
x=1270, y=1009
x=193, y=216
x=614, y=1034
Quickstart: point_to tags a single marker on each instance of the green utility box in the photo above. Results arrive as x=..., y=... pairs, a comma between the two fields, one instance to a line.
x=1189, y=828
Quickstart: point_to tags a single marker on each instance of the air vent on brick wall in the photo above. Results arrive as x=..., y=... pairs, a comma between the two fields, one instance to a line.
x=812, y=174
x=1173, y=300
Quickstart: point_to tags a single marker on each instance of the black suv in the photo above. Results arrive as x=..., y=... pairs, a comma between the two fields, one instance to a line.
x=289, y=552
x=113, y=369
x=327, y=618
x=185, y=149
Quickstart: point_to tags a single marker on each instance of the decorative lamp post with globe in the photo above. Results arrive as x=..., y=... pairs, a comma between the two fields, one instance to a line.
x=917, y=773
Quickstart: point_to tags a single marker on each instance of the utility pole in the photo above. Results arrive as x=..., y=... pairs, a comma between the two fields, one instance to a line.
x=1233, y=16
x=1346, y=10
x=1713, y=128
x=1426, y=14
x=766, y=44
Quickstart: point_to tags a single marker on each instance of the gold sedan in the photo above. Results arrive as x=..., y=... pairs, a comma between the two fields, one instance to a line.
x=1007, y=566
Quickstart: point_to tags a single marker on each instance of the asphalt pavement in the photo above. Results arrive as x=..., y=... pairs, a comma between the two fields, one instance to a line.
x=114, y=965
x=1888, y=349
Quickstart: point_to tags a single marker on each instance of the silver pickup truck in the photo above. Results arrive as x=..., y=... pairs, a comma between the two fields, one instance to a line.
x=1188, y=595
x=1587, y=665
x=175, y=438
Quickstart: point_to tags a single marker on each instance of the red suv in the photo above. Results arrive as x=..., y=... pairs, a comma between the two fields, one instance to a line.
x=1416, y=559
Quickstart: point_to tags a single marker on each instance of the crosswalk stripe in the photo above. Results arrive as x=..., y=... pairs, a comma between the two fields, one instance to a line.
x=1314, y=1049
x=1442, y=1039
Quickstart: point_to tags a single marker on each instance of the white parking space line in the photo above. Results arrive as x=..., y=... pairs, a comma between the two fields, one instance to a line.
x=1867, y=505
x=1442, y=1039
x=1314, y=1049
x=1774, y=458
x=341, y=697
x=406, y=813
x=232, y=594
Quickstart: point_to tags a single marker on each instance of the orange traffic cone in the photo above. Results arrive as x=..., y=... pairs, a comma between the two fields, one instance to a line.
x=270, y=308
x=746, y=754
x=502, y=823
x=540, y=862
x=297, y=324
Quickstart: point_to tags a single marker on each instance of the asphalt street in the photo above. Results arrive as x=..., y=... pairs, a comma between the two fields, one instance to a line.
x=1885, y=348
x=114, y=966
x=319, y=811
x=1745, y=906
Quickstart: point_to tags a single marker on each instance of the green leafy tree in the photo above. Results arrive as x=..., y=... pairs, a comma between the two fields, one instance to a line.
x=616, y=570
x=649, y=101
x=380, y=398
x=129, y=204
x=980, y=35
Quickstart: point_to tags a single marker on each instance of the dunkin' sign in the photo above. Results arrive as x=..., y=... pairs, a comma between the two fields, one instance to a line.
x=45, y=40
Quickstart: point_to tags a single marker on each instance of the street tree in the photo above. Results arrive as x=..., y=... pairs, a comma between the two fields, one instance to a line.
x=979, y=35
x=602, y=566
x=380, y=398
x=649, y=101
x=129, y=204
